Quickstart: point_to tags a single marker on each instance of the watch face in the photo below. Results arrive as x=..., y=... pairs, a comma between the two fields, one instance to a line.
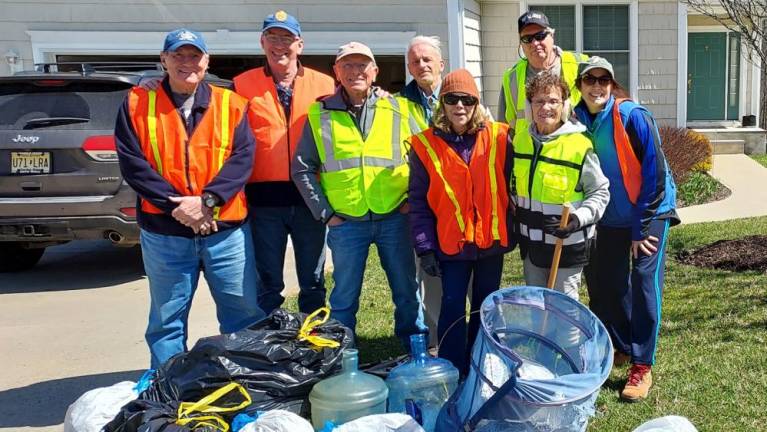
x=209, y=201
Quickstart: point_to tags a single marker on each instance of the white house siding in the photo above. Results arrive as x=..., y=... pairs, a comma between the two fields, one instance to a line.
x=499, y=46
x=18, y=17
x=657, y=77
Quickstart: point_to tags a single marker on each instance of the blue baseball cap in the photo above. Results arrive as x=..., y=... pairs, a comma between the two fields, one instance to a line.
x=178, y=38
x=283, y=20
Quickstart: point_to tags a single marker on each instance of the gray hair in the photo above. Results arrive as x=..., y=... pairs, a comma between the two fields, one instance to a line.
x=432, y=41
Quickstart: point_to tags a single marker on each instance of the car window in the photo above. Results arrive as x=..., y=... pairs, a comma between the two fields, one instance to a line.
x=68, y=105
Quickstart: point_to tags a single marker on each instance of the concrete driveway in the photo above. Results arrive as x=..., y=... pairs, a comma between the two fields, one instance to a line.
x=75, y=322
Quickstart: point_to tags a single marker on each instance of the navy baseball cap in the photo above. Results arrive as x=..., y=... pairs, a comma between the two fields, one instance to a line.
x=178, y=38
x=532, y=17
x=283, y=20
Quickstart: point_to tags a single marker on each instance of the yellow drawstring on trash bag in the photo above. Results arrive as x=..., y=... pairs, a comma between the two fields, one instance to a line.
x=204, y=412
x=312, y=321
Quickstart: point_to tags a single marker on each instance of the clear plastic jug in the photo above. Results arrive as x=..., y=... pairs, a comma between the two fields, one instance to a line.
x=421, y=386
x=350, y=395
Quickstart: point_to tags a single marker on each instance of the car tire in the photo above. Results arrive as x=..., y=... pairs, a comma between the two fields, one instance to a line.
x=14, y=257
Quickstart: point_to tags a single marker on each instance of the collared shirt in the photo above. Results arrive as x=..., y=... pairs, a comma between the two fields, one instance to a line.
x=429, y=102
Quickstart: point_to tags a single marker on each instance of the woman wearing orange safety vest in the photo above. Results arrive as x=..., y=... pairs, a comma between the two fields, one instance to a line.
x=459, y=207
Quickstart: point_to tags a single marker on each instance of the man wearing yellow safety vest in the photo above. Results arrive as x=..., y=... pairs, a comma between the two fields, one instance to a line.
x=187, y=149
x=351, y=169
x=536, y=38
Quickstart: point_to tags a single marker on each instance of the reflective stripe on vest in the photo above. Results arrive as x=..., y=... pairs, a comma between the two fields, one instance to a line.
x=469, y=203
x=631, y=169
x=361, y=175
x=546, y=179
x=209, y=146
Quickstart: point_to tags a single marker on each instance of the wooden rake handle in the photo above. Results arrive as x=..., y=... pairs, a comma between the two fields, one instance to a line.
x=558, y=247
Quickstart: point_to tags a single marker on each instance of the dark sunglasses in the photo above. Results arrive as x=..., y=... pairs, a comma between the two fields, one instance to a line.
x=452, y=99
x=541, y=35
x=604, y=80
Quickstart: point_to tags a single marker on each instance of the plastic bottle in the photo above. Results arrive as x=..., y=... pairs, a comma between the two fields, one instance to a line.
x=421, y=386
x=350, y=395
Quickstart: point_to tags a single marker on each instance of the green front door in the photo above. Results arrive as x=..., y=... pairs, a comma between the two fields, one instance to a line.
x=706, y=76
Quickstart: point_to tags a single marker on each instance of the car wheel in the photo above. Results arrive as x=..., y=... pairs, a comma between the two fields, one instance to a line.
x=14, y=257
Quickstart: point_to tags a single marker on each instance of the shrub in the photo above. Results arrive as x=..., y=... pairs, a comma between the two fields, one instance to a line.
x=686, y=151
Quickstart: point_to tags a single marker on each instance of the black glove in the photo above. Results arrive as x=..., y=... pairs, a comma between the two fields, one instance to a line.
x=551, y=226
x=430, y=265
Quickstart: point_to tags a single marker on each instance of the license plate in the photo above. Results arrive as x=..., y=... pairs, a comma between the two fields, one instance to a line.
x=30, y=162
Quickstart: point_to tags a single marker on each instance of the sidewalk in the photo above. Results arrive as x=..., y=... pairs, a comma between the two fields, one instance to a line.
x=747, y=180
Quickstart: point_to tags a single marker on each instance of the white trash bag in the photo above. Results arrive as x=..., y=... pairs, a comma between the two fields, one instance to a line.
x=97, y=407
x=393, y=422
x=278, y=421
x=667, y=424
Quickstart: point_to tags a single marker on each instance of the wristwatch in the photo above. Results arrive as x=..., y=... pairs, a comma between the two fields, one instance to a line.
x=209, y=200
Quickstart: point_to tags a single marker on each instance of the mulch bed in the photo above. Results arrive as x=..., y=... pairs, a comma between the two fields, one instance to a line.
x=747, y=253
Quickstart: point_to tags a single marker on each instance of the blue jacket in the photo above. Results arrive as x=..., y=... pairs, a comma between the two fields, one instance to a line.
x=412, y=93
x=657, y=196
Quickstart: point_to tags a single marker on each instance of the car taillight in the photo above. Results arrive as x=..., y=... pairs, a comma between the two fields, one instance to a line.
x=129, y=211
x=101, y=148
x=50, y=83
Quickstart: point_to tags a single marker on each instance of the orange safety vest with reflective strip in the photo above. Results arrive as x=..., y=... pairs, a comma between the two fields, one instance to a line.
x=188, y=163
x=631, y=169
x=469, y=201
x=276, y=136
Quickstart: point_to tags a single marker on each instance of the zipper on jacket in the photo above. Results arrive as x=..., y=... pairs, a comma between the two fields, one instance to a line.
x=533, y=164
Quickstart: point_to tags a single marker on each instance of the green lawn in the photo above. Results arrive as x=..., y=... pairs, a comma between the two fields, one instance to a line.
x=711, y=361
x=762, y=159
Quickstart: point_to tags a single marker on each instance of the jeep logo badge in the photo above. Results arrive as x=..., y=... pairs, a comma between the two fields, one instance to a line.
x=26, y=139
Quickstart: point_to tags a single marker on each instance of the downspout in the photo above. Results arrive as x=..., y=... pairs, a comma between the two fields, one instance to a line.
x=455, y=34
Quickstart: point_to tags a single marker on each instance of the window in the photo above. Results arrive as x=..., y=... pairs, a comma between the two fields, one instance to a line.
x=604, y=31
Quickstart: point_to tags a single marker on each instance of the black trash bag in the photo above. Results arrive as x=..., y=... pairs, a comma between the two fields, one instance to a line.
x=151, y=416
x=276, y=368
x=213, y=413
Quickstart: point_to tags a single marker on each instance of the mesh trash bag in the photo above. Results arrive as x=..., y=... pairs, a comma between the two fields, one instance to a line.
x=270, y=359
x=537, y=365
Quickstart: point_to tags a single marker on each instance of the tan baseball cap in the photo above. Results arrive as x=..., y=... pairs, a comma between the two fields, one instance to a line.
x=354, y=48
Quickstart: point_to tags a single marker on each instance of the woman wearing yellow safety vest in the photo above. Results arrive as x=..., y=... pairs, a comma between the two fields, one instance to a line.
x=459, y=207
x=558, y=167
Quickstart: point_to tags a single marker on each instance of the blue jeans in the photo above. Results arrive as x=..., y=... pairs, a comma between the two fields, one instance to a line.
x=173, y=265
x=271, y=227
x=456, y=275
x=349, y=244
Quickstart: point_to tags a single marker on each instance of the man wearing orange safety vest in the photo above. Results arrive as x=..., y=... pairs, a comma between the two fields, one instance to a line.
x=280, y=94
x=187, y=151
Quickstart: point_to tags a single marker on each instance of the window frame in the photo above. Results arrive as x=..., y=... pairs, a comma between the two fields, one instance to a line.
x=633, y=51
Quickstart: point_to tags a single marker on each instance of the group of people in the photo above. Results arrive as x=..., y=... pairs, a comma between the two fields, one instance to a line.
x=443, y=190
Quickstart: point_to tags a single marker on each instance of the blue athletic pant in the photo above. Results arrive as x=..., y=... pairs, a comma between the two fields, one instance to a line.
x=627, y=292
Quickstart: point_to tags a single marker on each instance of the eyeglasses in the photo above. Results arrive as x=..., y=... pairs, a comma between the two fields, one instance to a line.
x=357, y=67
x=603, y=80
x=281, y=40
x=541, y=102
x=453, y=99
x=541, y=35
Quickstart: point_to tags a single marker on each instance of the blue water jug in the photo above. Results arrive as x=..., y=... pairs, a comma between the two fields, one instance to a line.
x=421, y=386
x=350, y=395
